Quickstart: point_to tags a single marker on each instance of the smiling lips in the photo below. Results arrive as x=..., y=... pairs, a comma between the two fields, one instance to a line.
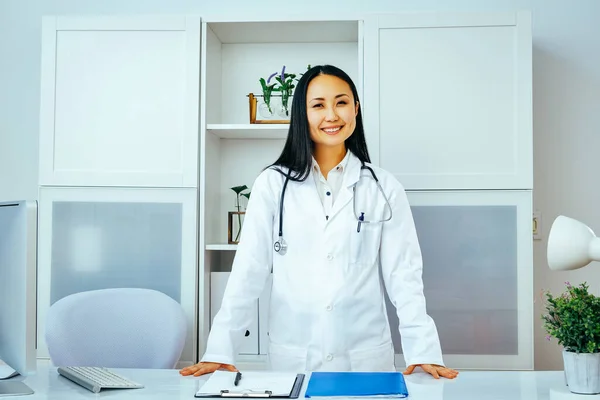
x=331, y=130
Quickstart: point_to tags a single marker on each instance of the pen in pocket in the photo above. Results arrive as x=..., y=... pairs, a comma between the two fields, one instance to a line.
x=360, y=220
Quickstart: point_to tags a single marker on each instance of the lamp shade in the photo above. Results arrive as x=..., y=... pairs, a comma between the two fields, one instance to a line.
x=571, y=245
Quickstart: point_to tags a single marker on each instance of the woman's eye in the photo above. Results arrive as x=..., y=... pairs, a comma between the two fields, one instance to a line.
x=342, y=102
x=317, y=105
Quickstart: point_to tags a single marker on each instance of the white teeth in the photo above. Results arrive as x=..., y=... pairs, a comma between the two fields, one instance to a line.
x=331, y=130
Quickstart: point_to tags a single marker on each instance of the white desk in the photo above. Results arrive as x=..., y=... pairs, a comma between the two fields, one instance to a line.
x=168, y=384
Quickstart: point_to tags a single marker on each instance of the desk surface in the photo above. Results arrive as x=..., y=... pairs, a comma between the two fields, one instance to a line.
x=168, y=384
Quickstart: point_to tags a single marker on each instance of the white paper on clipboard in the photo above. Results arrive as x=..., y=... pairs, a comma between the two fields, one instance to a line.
x=278, y=383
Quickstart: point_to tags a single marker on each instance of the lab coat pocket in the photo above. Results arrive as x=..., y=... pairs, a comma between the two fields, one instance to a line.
x=378, y=358
x=364, y=245
x=286, y=358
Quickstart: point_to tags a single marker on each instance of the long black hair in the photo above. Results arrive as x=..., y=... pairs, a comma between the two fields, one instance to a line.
x=298, y=149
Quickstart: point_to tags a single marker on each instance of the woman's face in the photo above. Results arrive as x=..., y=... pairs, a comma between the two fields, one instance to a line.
x=331, y=110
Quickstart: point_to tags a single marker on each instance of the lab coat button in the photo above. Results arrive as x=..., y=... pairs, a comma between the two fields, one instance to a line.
x=329, y=357
x=329, y=256
x=329, y=308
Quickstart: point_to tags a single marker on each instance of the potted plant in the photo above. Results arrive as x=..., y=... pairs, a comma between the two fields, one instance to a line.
x=233, y=231
x=286, y=87
x=278, y=84
x=573, y=318
x=267, y=90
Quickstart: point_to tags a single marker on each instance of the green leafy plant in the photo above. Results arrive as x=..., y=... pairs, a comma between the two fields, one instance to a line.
x=267, y=89
x=239, y=192
x=283, y=83
x=286, y=87
x=573, y=318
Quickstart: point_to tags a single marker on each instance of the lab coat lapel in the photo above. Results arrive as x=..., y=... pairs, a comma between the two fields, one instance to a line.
x=351, y=176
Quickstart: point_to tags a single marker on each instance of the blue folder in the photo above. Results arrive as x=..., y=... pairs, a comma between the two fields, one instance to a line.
x=356, y=384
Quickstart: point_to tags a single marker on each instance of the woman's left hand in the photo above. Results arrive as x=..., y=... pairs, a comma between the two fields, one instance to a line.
x=433, y=369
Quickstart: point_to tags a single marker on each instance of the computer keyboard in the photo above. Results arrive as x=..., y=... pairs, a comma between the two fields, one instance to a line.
x=97, y=378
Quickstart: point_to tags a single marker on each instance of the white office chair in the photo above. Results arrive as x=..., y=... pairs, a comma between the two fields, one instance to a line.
x=118, y=328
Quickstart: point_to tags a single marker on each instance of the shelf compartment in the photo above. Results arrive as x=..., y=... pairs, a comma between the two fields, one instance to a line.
x=286, y=31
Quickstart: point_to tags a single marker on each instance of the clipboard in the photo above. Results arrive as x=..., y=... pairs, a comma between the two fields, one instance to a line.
x=254, y=384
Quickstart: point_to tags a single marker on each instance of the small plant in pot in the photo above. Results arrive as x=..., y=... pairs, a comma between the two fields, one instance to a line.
x=234, y=230
x=573, y=318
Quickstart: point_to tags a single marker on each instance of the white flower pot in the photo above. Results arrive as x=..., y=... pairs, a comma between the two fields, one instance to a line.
x=582, y=372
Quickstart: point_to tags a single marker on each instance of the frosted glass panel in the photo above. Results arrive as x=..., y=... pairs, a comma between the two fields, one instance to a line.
x=470, y=277
x=97, y=245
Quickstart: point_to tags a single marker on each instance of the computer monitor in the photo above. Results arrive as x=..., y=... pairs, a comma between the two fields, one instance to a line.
x=18, y=276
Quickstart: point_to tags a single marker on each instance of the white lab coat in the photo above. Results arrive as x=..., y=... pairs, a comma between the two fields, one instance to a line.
x=327, y=309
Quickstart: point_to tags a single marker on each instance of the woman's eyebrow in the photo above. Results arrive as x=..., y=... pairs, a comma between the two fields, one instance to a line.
x=338, y=96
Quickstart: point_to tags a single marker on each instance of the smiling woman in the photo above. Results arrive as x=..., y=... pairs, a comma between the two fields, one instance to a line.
x=342, y=324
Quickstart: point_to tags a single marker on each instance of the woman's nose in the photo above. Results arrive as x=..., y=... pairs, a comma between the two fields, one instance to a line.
x=331, y=115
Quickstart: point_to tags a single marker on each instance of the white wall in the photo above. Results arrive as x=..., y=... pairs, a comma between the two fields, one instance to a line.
x=566, y=92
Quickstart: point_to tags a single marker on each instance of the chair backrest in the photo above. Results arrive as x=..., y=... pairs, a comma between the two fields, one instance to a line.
x=118, y=328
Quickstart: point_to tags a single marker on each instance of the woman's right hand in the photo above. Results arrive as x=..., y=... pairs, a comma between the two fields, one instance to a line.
x=206, y=368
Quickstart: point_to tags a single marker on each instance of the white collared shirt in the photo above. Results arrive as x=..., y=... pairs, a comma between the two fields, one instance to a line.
x=329, y=188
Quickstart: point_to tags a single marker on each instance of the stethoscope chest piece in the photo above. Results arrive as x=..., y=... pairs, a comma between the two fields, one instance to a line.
x=280, y=246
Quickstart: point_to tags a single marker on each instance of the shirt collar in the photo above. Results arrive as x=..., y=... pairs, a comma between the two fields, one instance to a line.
x=340, y=167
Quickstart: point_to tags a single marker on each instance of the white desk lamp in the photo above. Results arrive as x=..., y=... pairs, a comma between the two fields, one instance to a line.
x=571, y=245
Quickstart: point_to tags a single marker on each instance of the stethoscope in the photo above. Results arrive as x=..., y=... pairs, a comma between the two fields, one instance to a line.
x=280, y=245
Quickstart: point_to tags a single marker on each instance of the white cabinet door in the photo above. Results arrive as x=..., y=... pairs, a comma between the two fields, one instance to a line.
x=96, y=238
x=448, y=99
x=119, y=101
x=218, y=283
x=477, y=276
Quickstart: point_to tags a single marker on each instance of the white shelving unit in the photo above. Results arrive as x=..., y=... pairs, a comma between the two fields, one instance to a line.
x=235, y=55
x=446, y=102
